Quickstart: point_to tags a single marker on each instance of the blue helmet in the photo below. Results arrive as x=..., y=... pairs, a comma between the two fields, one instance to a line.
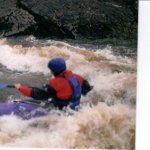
x=57, y=65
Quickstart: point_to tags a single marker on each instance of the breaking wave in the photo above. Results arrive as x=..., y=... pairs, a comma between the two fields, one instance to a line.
x=106, y=118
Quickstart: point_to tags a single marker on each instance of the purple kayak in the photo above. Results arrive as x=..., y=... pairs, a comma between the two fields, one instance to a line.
x=25, y=109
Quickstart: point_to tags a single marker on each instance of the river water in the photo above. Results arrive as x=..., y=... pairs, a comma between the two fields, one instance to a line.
x=106, y=119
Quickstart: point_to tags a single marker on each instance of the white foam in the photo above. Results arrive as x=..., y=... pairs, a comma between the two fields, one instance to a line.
x=102, y=126
x=97, y=127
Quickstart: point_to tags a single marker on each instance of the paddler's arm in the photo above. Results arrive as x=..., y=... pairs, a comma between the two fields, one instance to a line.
x=86, y=87
x=36, y=93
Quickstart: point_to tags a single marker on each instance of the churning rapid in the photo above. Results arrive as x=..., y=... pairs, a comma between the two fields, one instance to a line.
x=106, y=119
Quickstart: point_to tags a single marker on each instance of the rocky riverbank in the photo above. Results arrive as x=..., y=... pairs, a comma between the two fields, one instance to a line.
x=69, y=18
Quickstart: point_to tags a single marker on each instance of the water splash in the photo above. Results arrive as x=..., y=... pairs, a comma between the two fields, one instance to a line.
x=99, y=126
x=107, y=115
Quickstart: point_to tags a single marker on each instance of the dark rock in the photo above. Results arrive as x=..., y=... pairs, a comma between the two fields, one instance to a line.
x=69, y=18
x=14, y=20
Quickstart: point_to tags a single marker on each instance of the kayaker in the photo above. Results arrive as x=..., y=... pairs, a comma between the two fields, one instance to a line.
x=64, y=89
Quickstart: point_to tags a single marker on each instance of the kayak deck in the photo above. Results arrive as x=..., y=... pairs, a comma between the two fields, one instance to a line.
x=23, y=109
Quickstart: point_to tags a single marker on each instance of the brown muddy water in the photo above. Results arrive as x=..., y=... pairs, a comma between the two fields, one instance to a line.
x=106, y=119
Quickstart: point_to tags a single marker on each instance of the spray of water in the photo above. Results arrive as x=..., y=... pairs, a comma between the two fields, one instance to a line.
x=106, y=118
x=99, y=126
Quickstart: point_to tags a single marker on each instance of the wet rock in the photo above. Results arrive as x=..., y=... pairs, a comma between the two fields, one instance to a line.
x=70, y=18
x=14, y=20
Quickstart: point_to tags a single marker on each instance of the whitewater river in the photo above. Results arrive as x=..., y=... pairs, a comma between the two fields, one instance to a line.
x=106, y=118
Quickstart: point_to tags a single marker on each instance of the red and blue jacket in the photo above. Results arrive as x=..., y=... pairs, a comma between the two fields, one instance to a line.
x=59, y=89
